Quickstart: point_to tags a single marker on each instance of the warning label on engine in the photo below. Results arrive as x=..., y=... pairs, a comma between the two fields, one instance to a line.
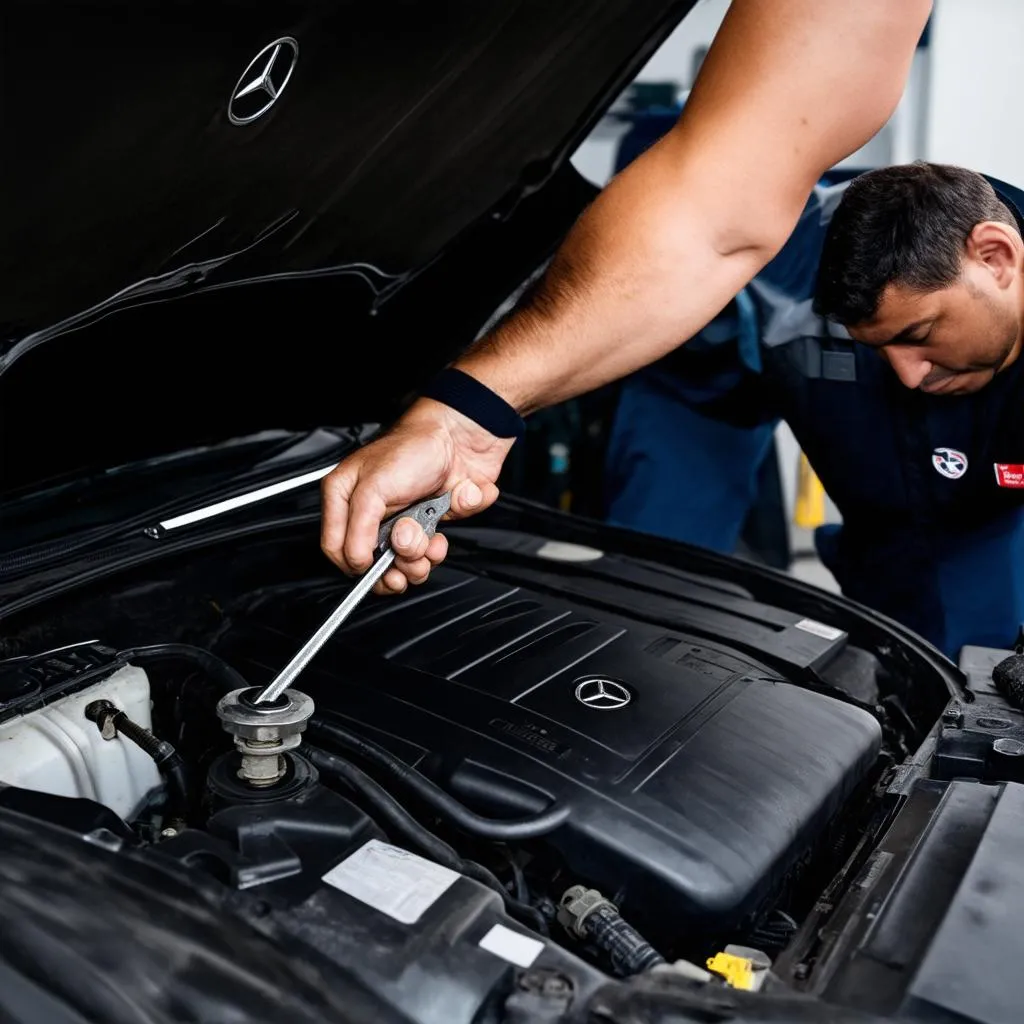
x=393, y=881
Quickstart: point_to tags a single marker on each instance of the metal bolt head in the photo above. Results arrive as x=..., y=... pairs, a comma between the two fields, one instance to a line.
x=1009, y=747
x=247, y=722
x=953, y=715
x=263, y=735
x=546, y=983
x=557, y=986
x=102, y=712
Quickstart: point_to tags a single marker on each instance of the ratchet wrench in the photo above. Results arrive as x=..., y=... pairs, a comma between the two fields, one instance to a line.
x=427, y=513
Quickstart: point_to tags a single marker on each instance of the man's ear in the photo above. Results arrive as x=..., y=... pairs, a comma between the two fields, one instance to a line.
x=998, y=247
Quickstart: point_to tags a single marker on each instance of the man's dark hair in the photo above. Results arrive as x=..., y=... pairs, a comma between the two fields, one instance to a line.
x=903, y=225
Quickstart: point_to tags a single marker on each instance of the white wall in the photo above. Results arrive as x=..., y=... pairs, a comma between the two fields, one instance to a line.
x=673, y=62
x=900, y=141
x=674, y=59
x=976, y=82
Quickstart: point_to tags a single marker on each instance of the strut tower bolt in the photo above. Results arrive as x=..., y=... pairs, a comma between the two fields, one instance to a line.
x=264, y=732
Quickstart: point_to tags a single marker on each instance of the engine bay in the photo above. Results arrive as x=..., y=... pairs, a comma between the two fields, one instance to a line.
x=641, y=754
x=547, y=759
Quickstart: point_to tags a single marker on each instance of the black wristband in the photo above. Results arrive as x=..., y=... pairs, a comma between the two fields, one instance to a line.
x=476, y=401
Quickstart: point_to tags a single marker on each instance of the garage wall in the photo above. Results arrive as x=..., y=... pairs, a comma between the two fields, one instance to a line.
x=673, y=62
x=677, y=60
x=974, y=109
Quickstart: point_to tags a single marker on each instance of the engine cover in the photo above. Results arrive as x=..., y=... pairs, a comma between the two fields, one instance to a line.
x=695, y=775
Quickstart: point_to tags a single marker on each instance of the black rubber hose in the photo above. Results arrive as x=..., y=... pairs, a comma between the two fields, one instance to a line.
x=518, y=876
x=442, y=803
x=212, y=665
x=166, y=758
x=177, y=783
x=395, y=817
x=628, y=951
x=399, y=822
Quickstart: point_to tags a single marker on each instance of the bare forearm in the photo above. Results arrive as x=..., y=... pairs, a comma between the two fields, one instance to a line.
x=638, y=275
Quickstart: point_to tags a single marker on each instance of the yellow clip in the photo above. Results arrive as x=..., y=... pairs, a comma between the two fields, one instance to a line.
x=738, y=971
x=809, y=510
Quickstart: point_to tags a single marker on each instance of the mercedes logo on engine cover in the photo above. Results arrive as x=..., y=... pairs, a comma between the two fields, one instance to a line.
x=603, y=694
x=263, y=81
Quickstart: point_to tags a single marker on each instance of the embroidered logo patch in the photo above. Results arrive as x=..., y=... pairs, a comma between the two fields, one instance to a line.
x=949, y=462
x=1008, y=475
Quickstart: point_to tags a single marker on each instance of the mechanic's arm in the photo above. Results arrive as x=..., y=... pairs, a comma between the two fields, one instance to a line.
x=788, y=88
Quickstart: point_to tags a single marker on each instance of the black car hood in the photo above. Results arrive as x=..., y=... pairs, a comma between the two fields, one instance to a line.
x=321, y=258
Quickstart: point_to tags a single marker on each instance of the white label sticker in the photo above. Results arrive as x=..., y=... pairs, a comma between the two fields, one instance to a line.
x=517, y=949
x=819, y=629
x=393, y=881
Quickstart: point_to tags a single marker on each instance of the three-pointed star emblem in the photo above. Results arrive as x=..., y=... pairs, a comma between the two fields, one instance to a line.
x=263, y=81
x=603, y=694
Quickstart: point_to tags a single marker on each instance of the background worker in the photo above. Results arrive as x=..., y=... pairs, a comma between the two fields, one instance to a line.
x=924, y=265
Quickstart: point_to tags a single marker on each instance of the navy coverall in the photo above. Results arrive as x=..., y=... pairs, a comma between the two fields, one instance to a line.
x=930, y=488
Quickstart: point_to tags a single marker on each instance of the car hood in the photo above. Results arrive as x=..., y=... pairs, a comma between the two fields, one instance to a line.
x=335, y=197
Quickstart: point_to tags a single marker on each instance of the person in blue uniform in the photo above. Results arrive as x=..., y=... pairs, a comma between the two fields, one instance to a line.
x=724, y=460
x=890, y=329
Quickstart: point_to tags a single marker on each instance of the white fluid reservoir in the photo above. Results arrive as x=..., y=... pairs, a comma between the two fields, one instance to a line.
x=56, y=749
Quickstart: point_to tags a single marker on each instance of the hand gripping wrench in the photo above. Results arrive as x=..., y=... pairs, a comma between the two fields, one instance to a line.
x=427, y=514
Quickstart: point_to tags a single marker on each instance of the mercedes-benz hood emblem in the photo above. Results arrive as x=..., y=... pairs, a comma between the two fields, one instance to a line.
x=603, y=694
x=263, y=81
